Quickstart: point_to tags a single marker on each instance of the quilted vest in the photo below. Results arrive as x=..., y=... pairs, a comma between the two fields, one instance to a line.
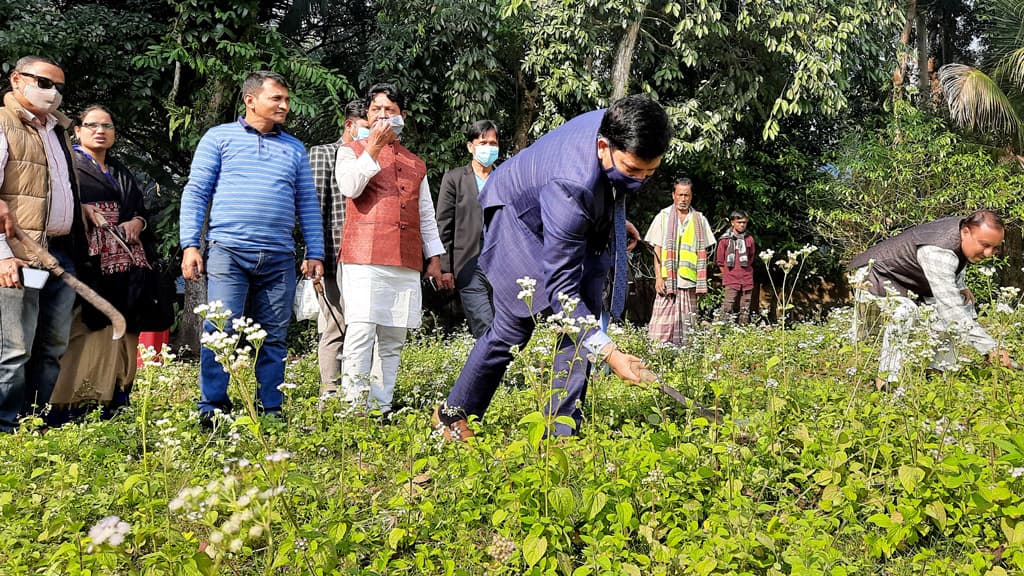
x=382, y=225
x=895, y=259
x=26, y=186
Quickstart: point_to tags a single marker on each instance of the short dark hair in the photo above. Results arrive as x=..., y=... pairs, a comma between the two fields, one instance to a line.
x=737, y=214
x=638, y=125
x=92, y=107
x=682, y=181
x=479, y=128
x=254, y=81
x=355, y=109
x=979, y=217
x=26, y=61
x=389, y=90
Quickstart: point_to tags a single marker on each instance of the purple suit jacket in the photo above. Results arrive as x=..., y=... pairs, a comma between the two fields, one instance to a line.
x=560, y=225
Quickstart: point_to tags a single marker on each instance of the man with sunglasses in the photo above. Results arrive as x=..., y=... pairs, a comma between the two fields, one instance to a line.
x=39, y=193
x=556, y=213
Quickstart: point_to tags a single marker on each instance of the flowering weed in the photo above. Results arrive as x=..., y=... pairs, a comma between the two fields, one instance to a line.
x=810, y=470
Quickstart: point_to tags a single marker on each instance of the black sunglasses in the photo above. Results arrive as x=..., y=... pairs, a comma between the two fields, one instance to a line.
x=44, y=82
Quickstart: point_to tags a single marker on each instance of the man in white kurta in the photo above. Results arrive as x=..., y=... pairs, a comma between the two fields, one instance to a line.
x=389, y=229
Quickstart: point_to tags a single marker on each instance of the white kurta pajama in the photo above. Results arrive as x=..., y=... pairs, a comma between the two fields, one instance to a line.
x=381, y=302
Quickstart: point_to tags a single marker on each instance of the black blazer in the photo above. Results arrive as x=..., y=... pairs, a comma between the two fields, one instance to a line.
x=459, y=219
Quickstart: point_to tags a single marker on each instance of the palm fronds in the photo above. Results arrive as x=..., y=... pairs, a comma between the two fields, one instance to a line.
x=976, y=101
x=1011, y=68
x=1005, y=27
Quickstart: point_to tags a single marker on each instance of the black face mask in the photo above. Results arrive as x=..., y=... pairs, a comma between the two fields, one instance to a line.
x=621, y=183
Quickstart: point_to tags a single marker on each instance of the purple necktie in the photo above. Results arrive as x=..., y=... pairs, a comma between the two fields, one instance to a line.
x=620, y=284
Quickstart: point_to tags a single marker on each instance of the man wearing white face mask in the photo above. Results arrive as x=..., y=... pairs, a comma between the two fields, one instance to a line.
x=460, y=222
x=38, y=191
x=389, y=230
x=331, y=323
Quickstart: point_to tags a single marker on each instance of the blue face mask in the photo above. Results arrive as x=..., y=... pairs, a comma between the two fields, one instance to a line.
x=622, y=183
x=362, y=133
x=485, y=154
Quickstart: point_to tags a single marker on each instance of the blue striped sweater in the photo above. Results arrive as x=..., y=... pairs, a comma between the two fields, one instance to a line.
x=258, y=184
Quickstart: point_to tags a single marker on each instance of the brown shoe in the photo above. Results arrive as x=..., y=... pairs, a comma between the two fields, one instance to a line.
x=458, y=430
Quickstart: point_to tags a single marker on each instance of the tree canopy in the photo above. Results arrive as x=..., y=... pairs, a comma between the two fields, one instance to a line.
x=762, y=94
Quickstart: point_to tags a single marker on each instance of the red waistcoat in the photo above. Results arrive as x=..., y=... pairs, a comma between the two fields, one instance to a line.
x=382, y=225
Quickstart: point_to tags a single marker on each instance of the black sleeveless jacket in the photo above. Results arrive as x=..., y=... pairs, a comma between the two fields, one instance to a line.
x=895, y=259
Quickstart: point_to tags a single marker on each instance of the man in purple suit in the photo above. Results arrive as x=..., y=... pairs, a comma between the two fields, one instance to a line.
x=555, y=213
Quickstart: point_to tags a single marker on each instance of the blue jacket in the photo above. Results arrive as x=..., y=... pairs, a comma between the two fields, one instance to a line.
x=562, y=204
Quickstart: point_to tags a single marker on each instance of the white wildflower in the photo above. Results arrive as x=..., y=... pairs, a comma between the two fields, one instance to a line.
x=111, y=530
x=278, y=456
x=569, y=303
x=527, y=287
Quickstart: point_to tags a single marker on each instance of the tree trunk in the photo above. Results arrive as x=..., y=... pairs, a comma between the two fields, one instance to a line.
x=1013, y=248
x=527, y=111
x=624, y=58
x=900, y=73
x=924, y=92
x=191, y=327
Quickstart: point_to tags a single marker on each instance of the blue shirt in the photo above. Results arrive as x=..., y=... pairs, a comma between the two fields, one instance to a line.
x=259, y=184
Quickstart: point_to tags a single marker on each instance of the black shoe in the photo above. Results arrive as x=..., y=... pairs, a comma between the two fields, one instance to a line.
x=206, y=421
x=58, y=417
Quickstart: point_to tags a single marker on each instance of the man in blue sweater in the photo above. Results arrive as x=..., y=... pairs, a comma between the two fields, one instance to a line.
x=258, y=179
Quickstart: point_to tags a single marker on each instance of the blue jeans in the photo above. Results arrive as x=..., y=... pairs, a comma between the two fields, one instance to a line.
x=475, y=387
x=266, y=281
x=475, y=293
x=34, y=329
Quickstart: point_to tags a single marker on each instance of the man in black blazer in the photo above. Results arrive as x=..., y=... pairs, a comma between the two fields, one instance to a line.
x=460, y=222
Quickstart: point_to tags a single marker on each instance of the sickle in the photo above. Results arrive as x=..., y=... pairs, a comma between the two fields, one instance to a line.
x=710, y=414
x=88, y=294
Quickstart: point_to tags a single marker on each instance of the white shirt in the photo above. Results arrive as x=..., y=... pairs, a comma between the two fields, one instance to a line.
x=376, y=293
x=62, y=200
x=939, y=267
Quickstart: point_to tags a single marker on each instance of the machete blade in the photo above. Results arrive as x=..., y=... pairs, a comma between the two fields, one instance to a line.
x=88, y=294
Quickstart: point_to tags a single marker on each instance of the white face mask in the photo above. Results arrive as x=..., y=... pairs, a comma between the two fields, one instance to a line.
x=397, y=123
x=41, y=99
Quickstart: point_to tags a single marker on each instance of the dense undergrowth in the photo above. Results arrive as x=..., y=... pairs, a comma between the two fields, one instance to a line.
x=811, y=471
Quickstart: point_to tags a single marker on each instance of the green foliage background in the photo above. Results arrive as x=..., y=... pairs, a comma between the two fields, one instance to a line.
x=745, y=83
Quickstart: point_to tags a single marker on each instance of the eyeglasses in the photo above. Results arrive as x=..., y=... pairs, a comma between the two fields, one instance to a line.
x=95, y=126
x=44, y=82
